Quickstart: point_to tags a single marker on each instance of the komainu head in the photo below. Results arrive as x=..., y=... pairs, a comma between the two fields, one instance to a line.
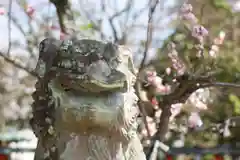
x=87, y=65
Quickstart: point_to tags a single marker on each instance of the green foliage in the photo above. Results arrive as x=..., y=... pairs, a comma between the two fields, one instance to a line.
x=86, y=26
x=236, y=102
x=221, y=4
x=208, y=157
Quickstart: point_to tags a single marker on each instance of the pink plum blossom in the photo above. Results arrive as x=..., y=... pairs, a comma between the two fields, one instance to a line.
x=199, y=32
x=30, y=10
x=62, y=36
x=194, y=120
x=175, y=110
x=2, y=11
x=156, y=81
x=186, y=8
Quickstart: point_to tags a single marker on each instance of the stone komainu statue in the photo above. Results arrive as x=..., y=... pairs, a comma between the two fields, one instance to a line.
x=84, y=105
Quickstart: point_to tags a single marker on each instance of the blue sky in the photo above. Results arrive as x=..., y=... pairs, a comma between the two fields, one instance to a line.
x=41, y=6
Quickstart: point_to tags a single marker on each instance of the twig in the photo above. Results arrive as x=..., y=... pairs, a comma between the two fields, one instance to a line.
x=117, y=14
x=114, y=31
x=222, y=84
x=47, y=32
x=96, y=26
x=152, y=8
x=126, y=18
x=30, y=32
x=9, y=27
x=18, y=65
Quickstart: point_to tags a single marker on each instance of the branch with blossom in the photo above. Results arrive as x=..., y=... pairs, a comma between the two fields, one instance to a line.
x=170, y=99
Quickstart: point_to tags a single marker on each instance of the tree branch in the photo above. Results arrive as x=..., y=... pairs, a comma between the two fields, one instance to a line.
x=61, y=7
x=114, y=31
x=9, y=27
x=117, y=14
x=18, y=65
x=152, y=8
x=222, y=84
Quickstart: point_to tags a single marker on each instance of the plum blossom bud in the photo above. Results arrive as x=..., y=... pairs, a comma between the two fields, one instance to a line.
x=219, y=40
x=172, y=54
x=194, y=120
x=30, y=10
x=151, y=73
x=151, y=126
x=177, y=63
x=152, y=78
x=54, y=27
x=172, y=51
x=154, y=101
x=168, y=71
x=163, y=89
x=2, y=11
x=222, y=35
x=186, y=8
x=171, y=46
x=62, y=35
x=212, y=54
x=215, y=48
x=157, y=81
x=181, y=71
x=199, y=32
x=176, y=109
x=200, y=105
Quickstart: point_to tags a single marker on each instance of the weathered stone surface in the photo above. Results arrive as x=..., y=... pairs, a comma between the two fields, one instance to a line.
x=95, y=110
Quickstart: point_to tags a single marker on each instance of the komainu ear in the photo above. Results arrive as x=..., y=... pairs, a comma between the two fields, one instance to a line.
x=48, y=50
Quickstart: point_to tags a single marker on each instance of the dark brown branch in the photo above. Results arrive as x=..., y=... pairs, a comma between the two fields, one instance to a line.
x=181, y=94
x=61, y=8
x=60, y=20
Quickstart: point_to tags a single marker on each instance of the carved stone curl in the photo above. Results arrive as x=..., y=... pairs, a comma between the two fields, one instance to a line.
x=85, y=104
